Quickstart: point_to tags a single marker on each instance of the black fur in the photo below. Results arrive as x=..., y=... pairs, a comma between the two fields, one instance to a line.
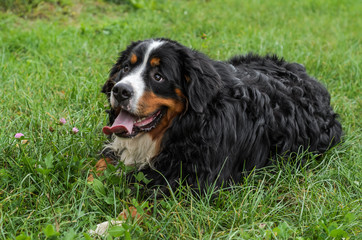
x=240, y=115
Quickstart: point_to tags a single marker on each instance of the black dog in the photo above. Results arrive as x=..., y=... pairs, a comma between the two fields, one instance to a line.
x=176, y=114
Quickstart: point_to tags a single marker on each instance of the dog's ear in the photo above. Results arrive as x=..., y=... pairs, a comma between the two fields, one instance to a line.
x=202, y=82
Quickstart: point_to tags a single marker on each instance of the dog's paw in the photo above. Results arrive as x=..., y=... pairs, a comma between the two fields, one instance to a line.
x=102, y=228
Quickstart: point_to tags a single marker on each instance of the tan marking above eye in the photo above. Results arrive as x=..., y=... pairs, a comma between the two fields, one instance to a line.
x=155, y=61
x=133, y=58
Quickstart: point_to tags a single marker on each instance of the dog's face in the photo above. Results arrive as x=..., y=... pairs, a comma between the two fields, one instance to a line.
x=144, y=89
x=154, y=81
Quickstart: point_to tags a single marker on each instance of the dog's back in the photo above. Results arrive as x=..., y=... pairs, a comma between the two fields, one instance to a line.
x=300, y=111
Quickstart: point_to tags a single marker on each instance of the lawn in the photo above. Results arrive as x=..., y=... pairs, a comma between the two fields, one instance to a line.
x=54, y=58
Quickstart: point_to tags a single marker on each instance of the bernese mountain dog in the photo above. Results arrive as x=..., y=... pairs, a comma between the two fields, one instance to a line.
x=180, y=117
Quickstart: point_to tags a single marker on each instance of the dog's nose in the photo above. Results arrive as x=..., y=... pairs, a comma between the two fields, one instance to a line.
x=122, y=92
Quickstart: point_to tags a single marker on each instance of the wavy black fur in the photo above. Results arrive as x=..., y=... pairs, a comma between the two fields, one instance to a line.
x=241, y=114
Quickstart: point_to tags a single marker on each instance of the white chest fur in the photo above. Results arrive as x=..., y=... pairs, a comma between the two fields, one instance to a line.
x=137, y=151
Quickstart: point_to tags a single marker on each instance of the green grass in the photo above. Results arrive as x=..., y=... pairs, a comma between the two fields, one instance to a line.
x=54, y=58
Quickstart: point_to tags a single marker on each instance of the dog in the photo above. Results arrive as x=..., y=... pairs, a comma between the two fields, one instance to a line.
x=179, y=117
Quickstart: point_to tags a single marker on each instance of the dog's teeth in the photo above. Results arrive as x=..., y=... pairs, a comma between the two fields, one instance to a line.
x=140, y=119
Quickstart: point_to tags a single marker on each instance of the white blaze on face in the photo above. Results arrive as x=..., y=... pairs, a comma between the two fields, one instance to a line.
x=135, y=80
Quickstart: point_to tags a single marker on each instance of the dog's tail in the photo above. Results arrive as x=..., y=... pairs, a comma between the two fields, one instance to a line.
x=331, y=134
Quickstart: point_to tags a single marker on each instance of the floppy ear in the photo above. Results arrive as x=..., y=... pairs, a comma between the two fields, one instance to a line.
x=202, y=82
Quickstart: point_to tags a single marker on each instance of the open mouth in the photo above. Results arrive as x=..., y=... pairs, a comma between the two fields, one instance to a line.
x=128, y=125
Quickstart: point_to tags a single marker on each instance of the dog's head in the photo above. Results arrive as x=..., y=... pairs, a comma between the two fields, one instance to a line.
x=152, y=82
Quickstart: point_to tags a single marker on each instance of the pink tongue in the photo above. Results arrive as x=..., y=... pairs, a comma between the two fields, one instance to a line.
x=123, y=122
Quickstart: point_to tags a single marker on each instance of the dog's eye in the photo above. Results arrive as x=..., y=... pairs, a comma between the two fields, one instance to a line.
x=125, y=68
x=158, y=77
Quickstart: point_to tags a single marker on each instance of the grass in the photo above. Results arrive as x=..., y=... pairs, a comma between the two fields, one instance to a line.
x=54, y=58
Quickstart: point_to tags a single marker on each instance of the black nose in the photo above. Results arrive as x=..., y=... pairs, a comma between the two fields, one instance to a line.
x=122, y=92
